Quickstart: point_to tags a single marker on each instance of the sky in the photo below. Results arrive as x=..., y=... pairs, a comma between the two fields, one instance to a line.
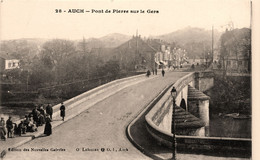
x=37, y=18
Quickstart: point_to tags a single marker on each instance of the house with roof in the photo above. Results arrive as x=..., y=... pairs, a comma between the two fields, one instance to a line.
x=235, y=55
x=8, y=62
x=238, y=62
x=163, y=56
x=135, y=54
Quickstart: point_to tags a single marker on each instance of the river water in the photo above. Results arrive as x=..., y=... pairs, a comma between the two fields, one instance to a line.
x=16, y=112
x=222, y=126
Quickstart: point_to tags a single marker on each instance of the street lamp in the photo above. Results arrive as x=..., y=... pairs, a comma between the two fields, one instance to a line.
x=174, y=144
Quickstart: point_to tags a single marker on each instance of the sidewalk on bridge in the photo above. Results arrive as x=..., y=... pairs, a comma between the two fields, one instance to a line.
x=142, y=140
x=57, y=120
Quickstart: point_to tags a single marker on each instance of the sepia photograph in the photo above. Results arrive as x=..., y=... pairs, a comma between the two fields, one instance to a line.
x=127, y=80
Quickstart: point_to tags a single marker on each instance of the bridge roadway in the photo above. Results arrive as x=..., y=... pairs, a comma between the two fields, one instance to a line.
x=100, y=126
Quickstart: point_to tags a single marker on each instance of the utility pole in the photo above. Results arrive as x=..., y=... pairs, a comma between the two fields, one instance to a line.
x=136, y=53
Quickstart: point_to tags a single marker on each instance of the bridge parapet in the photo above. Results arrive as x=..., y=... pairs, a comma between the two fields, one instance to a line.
x=75, y=101
x=160, y=116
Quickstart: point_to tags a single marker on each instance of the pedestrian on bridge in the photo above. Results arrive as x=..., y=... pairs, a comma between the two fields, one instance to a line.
x=2, y=129
x=10, y=127
x=62, y=111
x=21, y=128
x=35, y=114
x=48, y=127
x=49, y=110
x=148, y=73
x=163, y=72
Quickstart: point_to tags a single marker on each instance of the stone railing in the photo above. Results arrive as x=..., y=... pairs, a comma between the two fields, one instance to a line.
x=157, y=113
x=75, y=101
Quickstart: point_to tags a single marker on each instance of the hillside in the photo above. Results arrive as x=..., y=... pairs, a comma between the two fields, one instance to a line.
x=109, y=41
x=196, y=41
x=114, y=40
x=189, y=35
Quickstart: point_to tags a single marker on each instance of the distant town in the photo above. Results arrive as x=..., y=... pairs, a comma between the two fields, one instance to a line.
x=31, y=64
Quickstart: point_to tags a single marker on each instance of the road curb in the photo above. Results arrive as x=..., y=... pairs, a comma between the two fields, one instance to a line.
x=148, y=106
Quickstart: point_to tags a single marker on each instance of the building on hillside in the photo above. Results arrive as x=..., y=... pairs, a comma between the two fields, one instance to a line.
x=166, y=55
x=179, y=57
x=197, y=60
x=8, y=62
x=135, y=54
x=235, y=56
x=238, y=63
x=163, y=56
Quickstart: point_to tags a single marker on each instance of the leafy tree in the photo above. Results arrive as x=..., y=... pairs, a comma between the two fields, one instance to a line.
x=198, y=49
x=40, y=74
x=54, y=54
x=112, y=67
x=20, y=49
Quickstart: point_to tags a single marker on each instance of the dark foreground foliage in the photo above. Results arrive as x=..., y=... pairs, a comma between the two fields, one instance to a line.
x=231, y=95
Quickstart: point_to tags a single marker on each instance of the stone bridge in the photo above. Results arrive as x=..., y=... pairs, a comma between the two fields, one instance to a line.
x=97, y=120
x=191, y=119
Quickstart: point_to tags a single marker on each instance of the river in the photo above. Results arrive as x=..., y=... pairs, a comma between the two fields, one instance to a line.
x=16, y=112
x=223, y=126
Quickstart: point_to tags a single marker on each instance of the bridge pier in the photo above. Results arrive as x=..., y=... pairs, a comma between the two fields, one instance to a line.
x=198, y=105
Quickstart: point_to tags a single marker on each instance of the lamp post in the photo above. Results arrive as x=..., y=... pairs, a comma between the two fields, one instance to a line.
x=174, y=144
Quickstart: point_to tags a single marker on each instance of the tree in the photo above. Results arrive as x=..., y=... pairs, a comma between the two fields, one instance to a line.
x=235, y=43
x=20, y=49
x=54, y=54
x=112, y=67
x=197, y=49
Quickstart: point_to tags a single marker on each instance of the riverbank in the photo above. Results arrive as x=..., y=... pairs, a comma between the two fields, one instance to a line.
x=231, y=95
x=230, y=107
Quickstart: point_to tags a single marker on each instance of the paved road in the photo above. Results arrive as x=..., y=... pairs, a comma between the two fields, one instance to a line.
x=101, y=126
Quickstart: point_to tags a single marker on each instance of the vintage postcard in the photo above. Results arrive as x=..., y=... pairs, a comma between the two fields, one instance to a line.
x=131, y=79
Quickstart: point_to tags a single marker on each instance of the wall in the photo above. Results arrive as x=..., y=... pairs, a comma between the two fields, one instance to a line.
x=236, y=147
x=229, y=147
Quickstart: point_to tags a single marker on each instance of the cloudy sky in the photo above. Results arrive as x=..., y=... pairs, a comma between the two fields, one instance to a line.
x=37, y=18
